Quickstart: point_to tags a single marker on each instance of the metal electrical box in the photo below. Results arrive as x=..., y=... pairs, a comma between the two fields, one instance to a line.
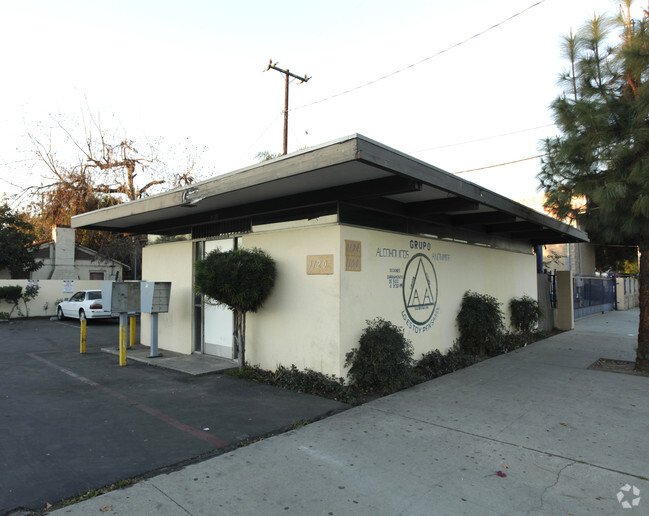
x=155, y=296
x=121, y=296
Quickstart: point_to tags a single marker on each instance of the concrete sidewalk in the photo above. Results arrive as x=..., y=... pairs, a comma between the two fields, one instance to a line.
x=531, y=432
x=196, y=364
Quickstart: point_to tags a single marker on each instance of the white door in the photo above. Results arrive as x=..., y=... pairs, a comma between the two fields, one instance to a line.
x=218, y=321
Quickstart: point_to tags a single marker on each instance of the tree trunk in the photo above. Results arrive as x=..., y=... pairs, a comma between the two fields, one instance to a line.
x=240, y=336
x=642, y=357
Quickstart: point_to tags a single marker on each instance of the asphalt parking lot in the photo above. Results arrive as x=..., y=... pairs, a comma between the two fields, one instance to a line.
x=72, y=422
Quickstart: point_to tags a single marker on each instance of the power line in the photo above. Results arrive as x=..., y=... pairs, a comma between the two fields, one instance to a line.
x=262, y=134
x=9, y=163
x=421, y=61
x=500, y=164
x=483, y=138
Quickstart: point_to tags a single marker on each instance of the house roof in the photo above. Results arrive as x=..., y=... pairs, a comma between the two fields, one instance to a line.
x=363, y=181
x=42, y=251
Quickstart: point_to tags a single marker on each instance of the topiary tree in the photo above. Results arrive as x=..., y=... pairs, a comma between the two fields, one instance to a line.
x=383, y=360
x=480, y=323
x=242, y=280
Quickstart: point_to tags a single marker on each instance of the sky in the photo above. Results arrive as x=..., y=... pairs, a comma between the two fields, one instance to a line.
x=472, y=87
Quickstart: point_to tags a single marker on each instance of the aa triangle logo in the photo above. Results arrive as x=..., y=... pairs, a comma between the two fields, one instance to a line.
x=419, y=289
x=421, y=294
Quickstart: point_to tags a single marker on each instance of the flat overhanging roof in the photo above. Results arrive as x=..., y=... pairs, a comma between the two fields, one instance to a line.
x=363, y=181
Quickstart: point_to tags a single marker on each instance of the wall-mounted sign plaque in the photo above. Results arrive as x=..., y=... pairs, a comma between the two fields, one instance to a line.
x=352, y=255
x=320, y=264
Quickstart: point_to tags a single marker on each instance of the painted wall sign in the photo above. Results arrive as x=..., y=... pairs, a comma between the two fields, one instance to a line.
x=352, y=255
x=412, y=274
x=420, y=292
x=395, y=278
x=320, y=264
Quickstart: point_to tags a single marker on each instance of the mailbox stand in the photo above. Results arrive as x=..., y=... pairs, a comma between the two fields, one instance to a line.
x=154, y=297
x=122, y=297
x=154, y=335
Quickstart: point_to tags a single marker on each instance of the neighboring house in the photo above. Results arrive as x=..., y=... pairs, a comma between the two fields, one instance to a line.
x=63, y=259
x=358, y=231
x=576, y=257
x=592, y=292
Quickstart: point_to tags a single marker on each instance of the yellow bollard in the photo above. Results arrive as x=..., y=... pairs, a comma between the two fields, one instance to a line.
x=82, y=343
x=122, y=340
x=131, y=342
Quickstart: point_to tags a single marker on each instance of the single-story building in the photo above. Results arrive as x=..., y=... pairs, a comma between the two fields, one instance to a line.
x=63, y=259
x=358, y=230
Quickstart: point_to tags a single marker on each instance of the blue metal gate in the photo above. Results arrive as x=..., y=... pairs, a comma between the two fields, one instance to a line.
x=593, y=294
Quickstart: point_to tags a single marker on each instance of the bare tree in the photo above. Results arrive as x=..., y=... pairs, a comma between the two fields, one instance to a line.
x=106, y=163
x=92, y=168
x=99, y=163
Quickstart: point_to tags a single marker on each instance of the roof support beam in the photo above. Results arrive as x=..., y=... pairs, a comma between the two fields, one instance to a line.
x=448, y=205
x=513, y=227
x=482, y=219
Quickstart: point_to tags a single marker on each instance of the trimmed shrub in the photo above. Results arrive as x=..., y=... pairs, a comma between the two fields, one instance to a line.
x=480, y=323
x=525, y=314
x=383, y=360
x=310, y=382
x=240, y=279
x=11, y=294
x=307, y=381
x=434, y=363
x=513, y=341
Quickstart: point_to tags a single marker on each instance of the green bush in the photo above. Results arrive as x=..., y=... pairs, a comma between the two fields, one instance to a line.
x=240, y=279
x=480, y=324
x=383, y=360
x=434, y=363
x=14, y=293
x=11, y=294
x=525, y=314
x=307, y=381
x=310, y=382
x=512, y=341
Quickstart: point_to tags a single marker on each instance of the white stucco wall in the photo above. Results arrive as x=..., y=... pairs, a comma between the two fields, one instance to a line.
x=49, y=292
x=377, y=290
x=82, y=270
x=299, y=323
x=314, y=320
x=170, y=262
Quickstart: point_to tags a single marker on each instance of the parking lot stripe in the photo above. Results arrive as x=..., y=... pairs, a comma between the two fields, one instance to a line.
x=200, y=434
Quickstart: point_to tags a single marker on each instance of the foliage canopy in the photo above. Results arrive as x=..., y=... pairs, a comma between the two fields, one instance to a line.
x=240, y=279
x=597, y=170
x=16, y=235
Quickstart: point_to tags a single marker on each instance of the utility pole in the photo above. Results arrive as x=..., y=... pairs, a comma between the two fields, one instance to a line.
x=287, y=74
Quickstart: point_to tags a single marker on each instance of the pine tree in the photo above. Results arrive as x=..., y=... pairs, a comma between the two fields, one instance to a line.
x=597, y=171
